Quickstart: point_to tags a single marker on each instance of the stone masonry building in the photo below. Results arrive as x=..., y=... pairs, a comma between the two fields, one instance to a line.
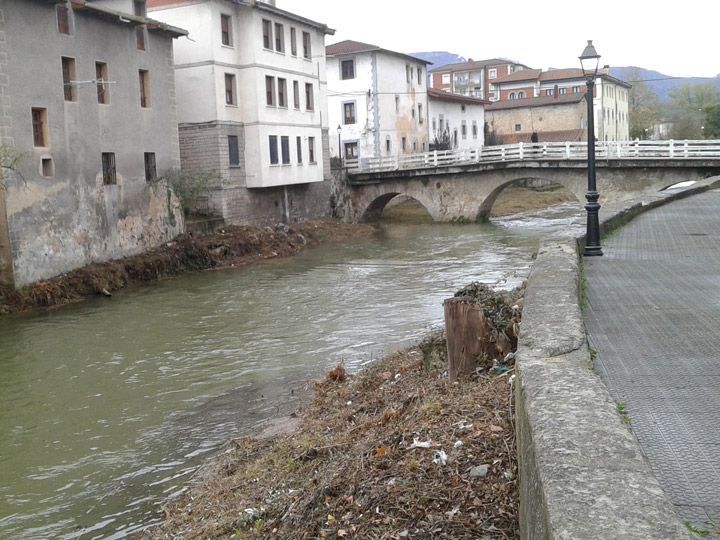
x=87, y=100
x=252, y=107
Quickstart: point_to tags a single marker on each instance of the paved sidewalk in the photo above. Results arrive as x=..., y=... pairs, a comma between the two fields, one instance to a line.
x=653, y=316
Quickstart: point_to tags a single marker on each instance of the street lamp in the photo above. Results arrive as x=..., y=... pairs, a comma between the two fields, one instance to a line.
x=590, y=60
x=339, y=130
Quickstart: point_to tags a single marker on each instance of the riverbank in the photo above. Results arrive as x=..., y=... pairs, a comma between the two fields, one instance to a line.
x=395, y=451
x=231, y=247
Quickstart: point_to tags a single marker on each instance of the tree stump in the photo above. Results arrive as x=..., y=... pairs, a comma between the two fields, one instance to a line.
x=466, y=329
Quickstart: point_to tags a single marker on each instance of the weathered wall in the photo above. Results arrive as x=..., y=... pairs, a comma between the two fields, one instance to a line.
x=582, y=473
x=6, y=268
x=454, y=114
x=550, y=118
x=69, y=218
x=460, y=195
x=204, y=148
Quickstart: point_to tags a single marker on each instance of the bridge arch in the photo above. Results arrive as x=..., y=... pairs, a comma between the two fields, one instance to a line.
x=374, y=210
x=570, y=184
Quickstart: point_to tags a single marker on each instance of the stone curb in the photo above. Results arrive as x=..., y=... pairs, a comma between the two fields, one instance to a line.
x=582, y=472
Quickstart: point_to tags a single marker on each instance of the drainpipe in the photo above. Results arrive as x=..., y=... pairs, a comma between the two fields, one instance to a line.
x=286, y=206
x=7, y=276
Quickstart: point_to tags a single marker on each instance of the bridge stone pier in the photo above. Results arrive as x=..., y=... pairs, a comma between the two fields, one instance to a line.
x=468, y=192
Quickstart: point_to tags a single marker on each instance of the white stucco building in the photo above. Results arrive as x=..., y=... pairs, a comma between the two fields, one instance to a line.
x=251, y=93
x=377, y=100
x=456, y=121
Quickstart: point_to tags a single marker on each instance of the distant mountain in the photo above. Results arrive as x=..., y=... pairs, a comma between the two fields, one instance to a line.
x=439, y=58
x=658, y=82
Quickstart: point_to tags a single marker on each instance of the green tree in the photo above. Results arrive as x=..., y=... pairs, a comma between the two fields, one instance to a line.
x=9, y=164
x=712, y=122
x=644, y=108
x=687, y=109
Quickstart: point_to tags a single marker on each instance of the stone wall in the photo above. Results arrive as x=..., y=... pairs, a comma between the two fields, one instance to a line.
x=6, y=268
x=204, y=148
x=582, y=473
x=558, y=117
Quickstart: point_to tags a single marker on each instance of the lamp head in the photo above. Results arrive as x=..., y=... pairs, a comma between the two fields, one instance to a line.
x=590, y=60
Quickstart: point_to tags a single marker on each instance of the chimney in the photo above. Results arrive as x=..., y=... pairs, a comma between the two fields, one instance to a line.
x=606, y=69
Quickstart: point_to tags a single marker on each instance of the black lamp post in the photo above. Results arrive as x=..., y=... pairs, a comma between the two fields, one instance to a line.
x=339, y=130
x=590, y=60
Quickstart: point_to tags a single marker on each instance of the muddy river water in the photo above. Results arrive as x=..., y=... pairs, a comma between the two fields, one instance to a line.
x=107, y=407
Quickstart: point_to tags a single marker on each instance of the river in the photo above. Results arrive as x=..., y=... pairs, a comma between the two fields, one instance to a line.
x=107, y=407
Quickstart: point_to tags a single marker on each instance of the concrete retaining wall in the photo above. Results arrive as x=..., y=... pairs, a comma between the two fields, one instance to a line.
x=582, y=473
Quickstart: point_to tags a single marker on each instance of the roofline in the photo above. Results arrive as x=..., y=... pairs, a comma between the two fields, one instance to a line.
x=457, y=98
x=531, y=102
x=125, y=18
x=375, y=49
x=292, y=16
x=484, y=64
x=549, y=80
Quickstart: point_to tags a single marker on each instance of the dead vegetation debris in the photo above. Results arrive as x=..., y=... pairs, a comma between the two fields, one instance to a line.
x=393, y=452
x=232, y=246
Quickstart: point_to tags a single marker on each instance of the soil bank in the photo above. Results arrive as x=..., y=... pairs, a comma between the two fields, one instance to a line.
x=232, y=246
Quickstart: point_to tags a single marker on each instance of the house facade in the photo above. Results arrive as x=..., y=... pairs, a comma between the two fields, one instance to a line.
x=610, y=99
x=87, y=102
x=474, y=77
x=252, y=98
x=377, y=99
x=456, y=122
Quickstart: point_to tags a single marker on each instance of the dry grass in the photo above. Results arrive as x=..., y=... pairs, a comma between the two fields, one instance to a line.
x=358, y=468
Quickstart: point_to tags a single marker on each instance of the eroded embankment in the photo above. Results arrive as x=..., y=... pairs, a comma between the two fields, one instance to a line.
x=395, y=451
x=233, y=246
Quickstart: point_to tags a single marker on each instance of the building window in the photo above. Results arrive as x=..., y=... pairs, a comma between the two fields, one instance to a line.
x=492, y=73
x=270, y=90
x=351, y=150
x=140, y=37
x=298, y=144
x=397, y=104
x=475, y=129
x=307, y=46
x=407, y=73
x=521, y=95
x=387, y=145
x=445, y=79
x=279, y=38
x=518, y=127
x=144, y=77
x=309, y=100
x=442, y=123
x=150, y=167
x=404, y=144
x=63, y=18
x=463, y=129
x=419, y=75
x=285, y=149
x=230, y=89
x=282, y=92
x=40, y=127
x=108, y=169
x=233, y=151
x=139, y=8
x=563, y=91
x=462, y=108
x=347, y=69
x=68, y=75
x=273, y=149
x=226, y=30
x=293, y=41
x=267, y=34
x=311, y=149
x=296, y=94
x=412, y=112
x=349, y=113
x=549, y=92
x=47, y=169
x=512, y=95
x=576, y=89
x=420, y=113
x=434, y=124
x=101, y=78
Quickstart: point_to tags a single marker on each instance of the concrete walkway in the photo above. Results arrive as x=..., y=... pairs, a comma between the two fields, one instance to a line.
x=653, y=316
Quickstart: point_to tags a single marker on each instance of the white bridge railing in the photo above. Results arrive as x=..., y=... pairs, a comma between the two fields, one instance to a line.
x=567, y=151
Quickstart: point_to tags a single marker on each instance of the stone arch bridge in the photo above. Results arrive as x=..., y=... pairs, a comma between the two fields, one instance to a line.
x=468, y=191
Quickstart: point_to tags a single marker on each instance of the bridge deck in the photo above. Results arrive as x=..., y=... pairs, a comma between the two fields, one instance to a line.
x=653, y=316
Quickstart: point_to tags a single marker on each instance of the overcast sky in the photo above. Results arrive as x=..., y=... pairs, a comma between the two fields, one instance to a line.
x=675, y=38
